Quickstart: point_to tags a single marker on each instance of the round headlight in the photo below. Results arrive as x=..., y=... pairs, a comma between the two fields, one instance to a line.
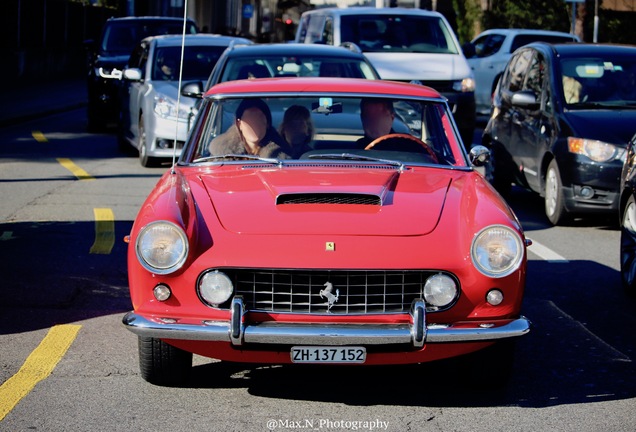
x=215, y=288
x=497, y=251
x=440, y=290
x=162, y=247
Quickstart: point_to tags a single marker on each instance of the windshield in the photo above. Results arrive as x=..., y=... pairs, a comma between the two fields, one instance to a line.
x=606, y=81
x=198, y=62
x=398, y=33
x=392, y=131
x=120, y=37
x=295, y=66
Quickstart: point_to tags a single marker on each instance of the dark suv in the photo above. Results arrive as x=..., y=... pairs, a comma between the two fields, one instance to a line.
x=108, y=57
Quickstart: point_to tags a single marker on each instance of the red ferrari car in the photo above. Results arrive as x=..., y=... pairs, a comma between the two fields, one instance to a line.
x=363, y=236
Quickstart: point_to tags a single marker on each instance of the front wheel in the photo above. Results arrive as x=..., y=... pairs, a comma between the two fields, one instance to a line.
x=163, y=364
x=628, y=247
x=144, y=159
x=554, y=201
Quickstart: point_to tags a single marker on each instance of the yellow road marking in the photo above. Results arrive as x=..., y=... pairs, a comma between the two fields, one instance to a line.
x=77, y=171
x=37, y=366
x=104, y=231
x=39, y=136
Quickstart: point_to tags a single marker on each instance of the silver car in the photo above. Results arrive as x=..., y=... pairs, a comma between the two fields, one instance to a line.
x=489, y=52
x=150, y=120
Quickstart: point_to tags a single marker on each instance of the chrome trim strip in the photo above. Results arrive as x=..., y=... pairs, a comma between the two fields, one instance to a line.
x=328, y=334
x=207, y=331
x=237, y=324
x=418, y=329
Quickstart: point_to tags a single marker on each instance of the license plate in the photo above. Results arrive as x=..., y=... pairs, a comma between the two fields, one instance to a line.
x=328, y=354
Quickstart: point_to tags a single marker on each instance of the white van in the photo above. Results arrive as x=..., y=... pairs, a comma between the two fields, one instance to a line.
x=409, y=45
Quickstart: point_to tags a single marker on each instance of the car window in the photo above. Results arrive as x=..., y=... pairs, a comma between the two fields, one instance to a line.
x=488, y=45
x=295, y=66
x=198, y=62
x=138, y=56
x=122, y=36
x=535, y=75
x=398, y=33
x=525, y=39
x=313, y=29
x=327, y=34
x=337, y=127
x=516, y=71
x=608, y=80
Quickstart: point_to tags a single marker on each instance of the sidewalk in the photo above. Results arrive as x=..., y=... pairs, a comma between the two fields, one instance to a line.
x=28, y=101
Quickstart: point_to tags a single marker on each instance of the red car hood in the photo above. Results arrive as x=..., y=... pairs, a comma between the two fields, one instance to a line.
x=326, y=200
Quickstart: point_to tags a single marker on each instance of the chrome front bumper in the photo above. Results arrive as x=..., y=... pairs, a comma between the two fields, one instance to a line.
x=416, y=333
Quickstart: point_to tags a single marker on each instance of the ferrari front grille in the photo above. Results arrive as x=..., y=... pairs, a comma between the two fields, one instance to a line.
x=336, y=292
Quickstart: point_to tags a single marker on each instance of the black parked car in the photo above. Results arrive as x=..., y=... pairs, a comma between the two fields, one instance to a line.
x=628, y=219
x=562, y=117
x=109, y=55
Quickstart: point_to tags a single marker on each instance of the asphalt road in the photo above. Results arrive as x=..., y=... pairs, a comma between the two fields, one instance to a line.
x=67, y=364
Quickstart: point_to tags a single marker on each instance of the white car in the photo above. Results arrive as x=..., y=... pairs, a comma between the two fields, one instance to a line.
x=149, y=113
x=489, y=52
x=408, y=45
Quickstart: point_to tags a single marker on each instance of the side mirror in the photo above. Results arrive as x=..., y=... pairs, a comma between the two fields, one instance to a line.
x=525, y=99
x=193, y=89
x=132, y=74
x=479, y=155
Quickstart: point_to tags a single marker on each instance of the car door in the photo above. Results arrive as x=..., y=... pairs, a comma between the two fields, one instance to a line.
x=517, y=115
x=535, y=122
x=130, y=105
x=138, y=89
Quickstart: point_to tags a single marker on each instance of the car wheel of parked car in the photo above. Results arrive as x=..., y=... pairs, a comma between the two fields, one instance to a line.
x=554, y=202
x=163, y=364
x=628, y=247
x=144, y=159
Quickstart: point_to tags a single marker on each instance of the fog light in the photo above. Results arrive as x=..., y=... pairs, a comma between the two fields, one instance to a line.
x=215, y=288
x=162, y=292
x=440, y=290
x=587, y=192
x=494, y=297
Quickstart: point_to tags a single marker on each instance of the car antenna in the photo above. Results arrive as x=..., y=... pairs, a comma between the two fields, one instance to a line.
x=176, y=129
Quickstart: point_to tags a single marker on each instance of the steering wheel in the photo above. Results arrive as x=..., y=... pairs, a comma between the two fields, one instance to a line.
x=402, y=136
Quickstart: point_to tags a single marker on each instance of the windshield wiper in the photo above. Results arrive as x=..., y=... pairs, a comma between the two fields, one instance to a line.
x=351, y=156
x=231, y=156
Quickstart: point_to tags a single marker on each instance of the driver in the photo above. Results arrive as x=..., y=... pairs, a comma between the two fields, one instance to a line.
x=377, y=119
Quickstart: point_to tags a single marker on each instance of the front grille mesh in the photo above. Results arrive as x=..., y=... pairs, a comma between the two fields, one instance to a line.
x=299, y=291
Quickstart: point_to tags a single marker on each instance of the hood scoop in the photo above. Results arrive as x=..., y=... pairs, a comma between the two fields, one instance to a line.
x=329, y=198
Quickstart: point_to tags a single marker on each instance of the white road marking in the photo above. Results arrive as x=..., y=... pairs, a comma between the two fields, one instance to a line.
x=546, y=253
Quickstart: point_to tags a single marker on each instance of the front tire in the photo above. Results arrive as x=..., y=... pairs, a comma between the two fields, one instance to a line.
x=144, y=159
x=628, y=247
x=163, y=364
x=554, y=201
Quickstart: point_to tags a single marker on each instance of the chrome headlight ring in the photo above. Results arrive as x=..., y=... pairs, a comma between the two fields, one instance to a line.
x=162, y=247
x=497, y=251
